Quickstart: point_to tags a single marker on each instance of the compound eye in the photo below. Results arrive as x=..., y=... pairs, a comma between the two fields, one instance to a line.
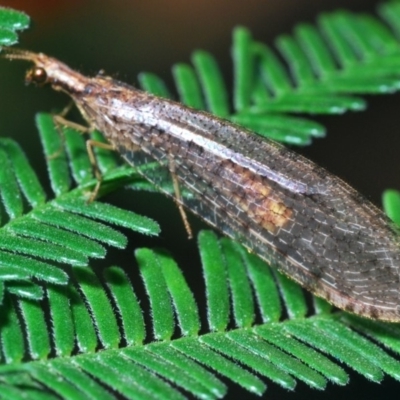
x=36, y=75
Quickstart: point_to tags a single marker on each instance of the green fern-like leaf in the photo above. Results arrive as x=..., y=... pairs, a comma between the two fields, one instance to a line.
x=37, y=238
x=325, y=65
x=11, y=21
x=115, y=354
x=72, y=331
x=391, y=204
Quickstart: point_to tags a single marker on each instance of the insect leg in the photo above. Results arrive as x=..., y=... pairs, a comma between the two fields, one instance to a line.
x=89, y=147
x=60, y=120
x=178, y=198
x=66, y=109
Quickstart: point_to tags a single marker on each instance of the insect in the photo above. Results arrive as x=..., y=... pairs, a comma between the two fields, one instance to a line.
x=286, y=209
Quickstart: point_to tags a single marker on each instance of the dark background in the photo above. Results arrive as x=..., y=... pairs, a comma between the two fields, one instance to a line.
x=125, y=37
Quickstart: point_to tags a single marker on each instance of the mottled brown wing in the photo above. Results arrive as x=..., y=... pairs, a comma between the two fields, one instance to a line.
x=337, y=259
x=286, y=209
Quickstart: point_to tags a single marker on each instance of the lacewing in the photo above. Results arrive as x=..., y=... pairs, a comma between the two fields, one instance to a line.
x=286, y=209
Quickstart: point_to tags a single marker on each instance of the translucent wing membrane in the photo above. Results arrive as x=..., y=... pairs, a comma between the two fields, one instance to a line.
x=318, y=230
